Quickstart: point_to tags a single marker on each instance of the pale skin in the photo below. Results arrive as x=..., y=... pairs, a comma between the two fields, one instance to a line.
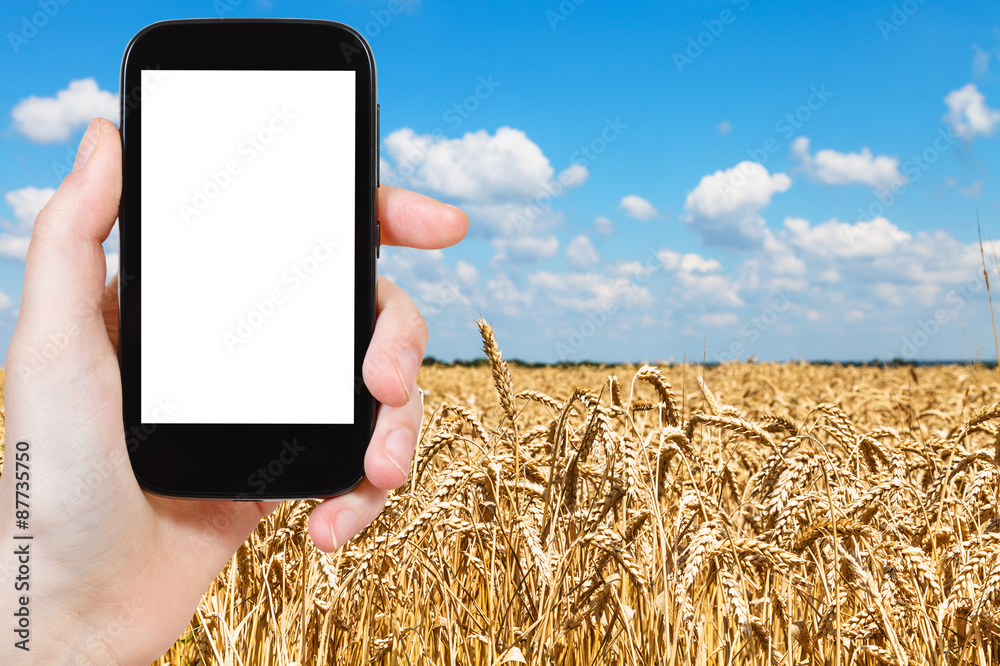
x=116, y=573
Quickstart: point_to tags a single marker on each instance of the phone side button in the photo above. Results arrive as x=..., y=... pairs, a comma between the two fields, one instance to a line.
x=378, y=238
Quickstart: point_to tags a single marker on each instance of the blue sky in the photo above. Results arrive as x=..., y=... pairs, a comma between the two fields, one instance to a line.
x=644, y=182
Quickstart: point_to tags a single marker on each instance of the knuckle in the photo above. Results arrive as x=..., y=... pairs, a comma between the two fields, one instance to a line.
x=419, y=327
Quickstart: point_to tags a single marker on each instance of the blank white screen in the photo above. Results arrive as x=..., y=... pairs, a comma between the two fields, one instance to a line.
x=247, y=246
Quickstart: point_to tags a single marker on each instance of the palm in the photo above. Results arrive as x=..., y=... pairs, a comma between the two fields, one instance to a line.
x=205, y=530
x=116, y=572
x=156, y=555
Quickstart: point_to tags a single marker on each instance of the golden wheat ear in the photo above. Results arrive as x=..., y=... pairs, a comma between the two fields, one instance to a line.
x=799, y=514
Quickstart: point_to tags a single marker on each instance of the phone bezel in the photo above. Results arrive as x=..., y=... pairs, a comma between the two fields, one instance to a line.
x=226, y=460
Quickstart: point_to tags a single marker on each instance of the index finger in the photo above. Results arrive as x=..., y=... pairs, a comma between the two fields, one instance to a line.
x=414, y=220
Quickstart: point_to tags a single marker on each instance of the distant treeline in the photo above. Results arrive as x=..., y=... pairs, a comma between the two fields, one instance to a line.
x=893, y=363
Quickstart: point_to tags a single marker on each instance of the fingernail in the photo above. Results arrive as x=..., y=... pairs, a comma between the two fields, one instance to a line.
x=87, y=144
x=345, y=526
x=398, y=447
x=406, y=368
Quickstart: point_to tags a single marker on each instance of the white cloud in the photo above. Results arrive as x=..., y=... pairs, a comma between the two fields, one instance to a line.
x=843, y=240
x=466, y=273
x=637, y=207
x=112, y=261
x=631, y=268
x=515, y=226
x=524, y=250
x=689, y=263
x=973, y=191
x=52, y=119
x=746, y=186
x=724, y=207
x=668, y=258
x=504, y=295
x=574, y=175
x=510, y=219
x=111, y=244
x=968, y=114
x=414, y=265
x=719, y=319
x=588, y=291
x=14, y=247
x=580, y=253
x=387, y=174
x=694, y=263
x=833, y=168
x=25, y=203
x=478, y=167
x=781, y=259
x=866, y=253
x=980, y=62
x=831, y=276
x=724, y=127
x=888, y=293
x=931, y=258
x=716, y=289
x=436, y=289
x=603, y=225
x=700, y=280
x=505, y=183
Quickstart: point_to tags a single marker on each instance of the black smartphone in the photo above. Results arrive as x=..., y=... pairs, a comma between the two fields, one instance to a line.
x=249, y=241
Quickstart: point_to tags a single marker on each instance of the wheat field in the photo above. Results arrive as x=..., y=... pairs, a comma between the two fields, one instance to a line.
x=748, y=513
x=737, y=514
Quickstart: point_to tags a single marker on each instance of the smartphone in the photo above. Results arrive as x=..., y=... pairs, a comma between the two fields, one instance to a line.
x=248, y=248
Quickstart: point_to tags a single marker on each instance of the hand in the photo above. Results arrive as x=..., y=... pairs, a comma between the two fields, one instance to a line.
x=115, y=573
